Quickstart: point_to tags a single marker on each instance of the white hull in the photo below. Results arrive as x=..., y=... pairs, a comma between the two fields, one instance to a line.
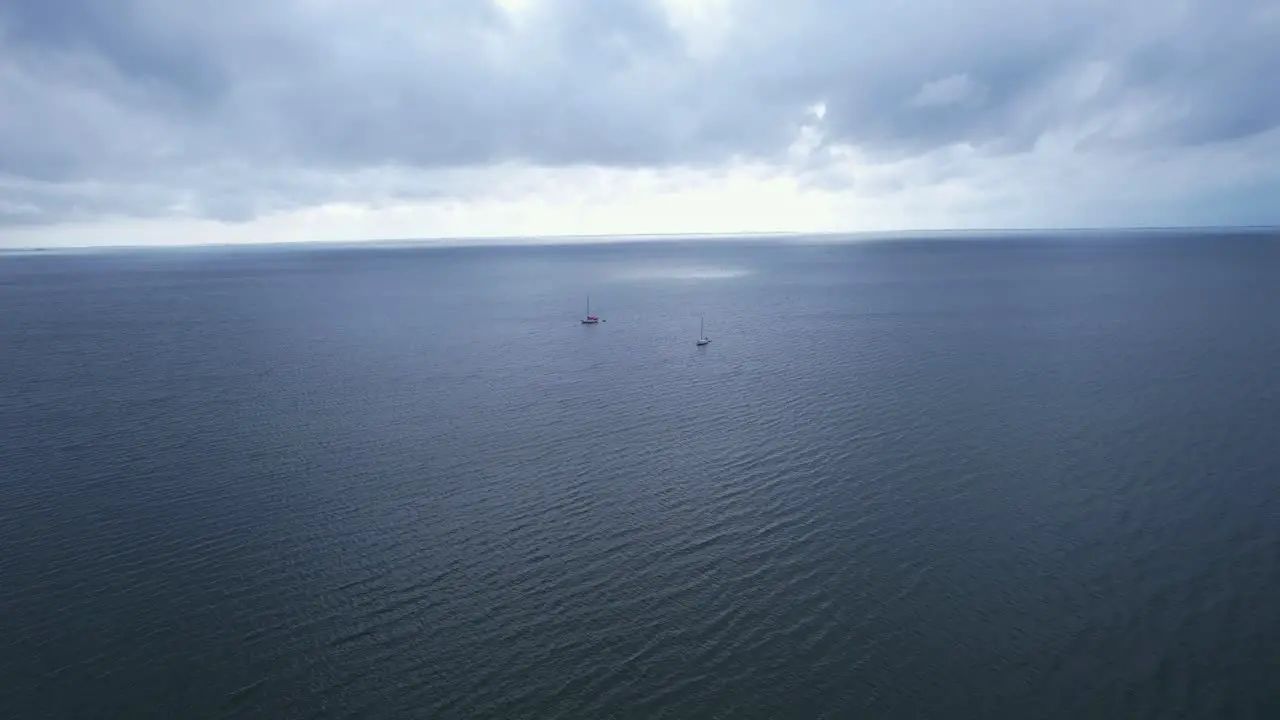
x=702, y=334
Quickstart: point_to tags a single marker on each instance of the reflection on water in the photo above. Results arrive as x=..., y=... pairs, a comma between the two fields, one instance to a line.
x=683, y=273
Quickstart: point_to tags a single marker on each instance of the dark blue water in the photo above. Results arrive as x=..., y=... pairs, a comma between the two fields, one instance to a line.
x=1017, y=478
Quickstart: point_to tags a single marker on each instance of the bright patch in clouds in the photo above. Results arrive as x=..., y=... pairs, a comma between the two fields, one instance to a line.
x=286, y=121
x=515, y=7
x=704, y=25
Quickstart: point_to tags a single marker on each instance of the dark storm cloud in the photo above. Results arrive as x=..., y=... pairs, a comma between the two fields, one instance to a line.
x=208, y=108
x=129, y=36
x=869, y=61
x=1209, y=60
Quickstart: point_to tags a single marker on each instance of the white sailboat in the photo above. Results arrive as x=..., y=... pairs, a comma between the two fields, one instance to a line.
x=702, y=335
x=590, y=319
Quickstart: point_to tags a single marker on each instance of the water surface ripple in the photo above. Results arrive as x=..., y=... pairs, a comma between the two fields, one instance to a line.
x=1027, y=478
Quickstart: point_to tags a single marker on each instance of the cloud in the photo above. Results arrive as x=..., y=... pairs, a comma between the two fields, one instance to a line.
x=118, y=110
x=950, y=90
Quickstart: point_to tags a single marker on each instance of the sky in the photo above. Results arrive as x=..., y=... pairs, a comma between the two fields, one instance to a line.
x=160, y=122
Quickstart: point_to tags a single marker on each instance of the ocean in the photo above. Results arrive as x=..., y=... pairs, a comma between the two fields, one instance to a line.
x=1019, y=476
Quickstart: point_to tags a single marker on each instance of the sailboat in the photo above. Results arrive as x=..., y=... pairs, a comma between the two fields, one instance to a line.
x=702, y=335
x=590, y=319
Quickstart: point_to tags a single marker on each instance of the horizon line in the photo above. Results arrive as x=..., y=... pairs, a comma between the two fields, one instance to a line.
x=609, y=238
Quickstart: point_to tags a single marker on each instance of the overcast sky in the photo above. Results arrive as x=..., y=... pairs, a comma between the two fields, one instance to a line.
x=140, y=121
